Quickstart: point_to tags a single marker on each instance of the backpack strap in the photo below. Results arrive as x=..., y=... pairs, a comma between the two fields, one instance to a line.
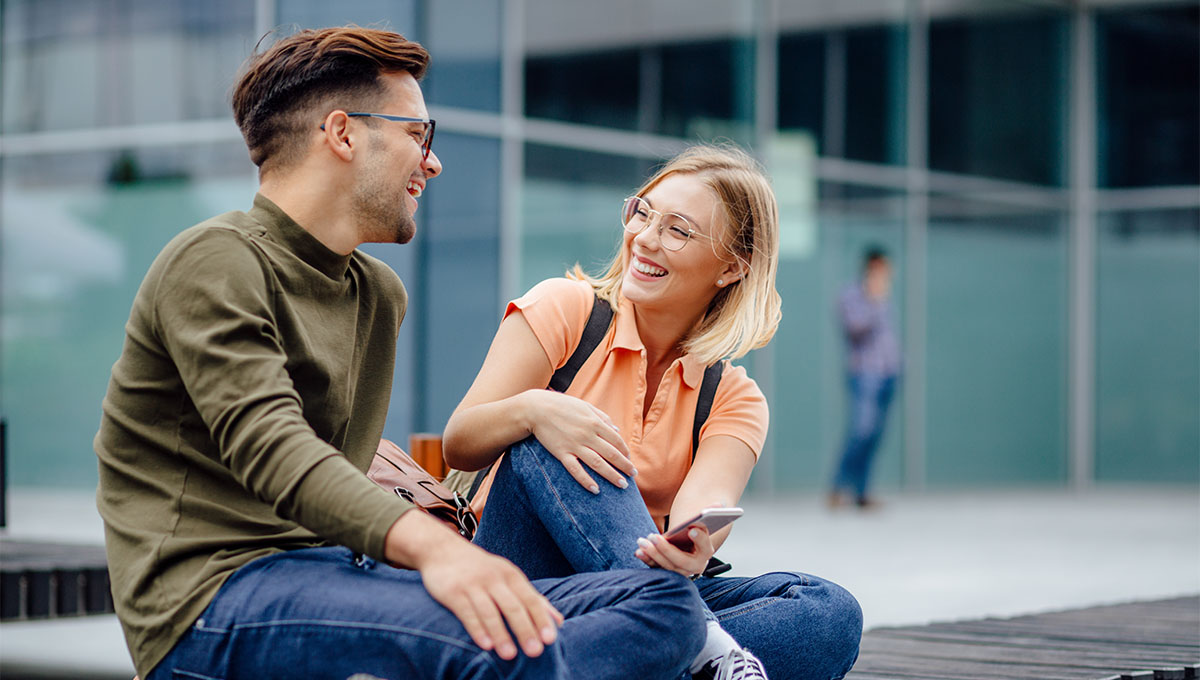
x=708, y=390
x=593, y=333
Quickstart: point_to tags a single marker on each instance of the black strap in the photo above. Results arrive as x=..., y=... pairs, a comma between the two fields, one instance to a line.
x=479, y=477
x=708, y=390
x=593, y=333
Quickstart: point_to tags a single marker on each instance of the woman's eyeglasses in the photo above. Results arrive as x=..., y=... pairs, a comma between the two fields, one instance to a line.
x=674, y=230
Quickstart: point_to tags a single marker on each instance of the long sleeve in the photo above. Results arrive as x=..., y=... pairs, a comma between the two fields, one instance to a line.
x=221, y=332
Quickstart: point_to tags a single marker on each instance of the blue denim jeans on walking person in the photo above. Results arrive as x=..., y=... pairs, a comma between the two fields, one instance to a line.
x=328, y=613
x=870, y=396
x=539, y=517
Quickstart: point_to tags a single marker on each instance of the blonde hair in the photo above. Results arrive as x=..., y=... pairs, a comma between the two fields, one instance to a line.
x=744, y=315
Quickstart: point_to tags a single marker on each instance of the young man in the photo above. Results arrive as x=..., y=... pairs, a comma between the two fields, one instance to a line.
x=243, y=538
x=873, y=354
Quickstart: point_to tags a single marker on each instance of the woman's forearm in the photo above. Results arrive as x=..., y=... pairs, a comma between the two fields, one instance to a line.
x=476, y=436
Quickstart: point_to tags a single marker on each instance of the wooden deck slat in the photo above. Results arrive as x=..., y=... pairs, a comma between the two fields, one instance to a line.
x=1025, y=641
x=1089, y=658
x=1085, y=644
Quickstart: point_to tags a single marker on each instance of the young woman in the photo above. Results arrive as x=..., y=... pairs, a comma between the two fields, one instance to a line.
x=594, y=474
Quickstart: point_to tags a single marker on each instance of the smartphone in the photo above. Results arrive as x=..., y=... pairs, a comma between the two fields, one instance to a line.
x=711, y=519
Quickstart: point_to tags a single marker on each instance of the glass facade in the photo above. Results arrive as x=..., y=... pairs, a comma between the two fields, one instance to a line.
x=1149, y=96
x=997, y=94
x=80, y=231
x=1148, y=345
x=1032, y=168
x=997, y=344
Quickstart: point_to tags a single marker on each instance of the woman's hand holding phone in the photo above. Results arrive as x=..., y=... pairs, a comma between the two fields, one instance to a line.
x=687, y=548
x=656, y=551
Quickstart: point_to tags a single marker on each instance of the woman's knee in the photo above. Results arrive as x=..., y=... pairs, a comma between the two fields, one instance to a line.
x=847, y=608
x=843, y=627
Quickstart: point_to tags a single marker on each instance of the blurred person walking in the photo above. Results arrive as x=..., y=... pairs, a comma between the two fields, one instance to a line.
x=873, y=366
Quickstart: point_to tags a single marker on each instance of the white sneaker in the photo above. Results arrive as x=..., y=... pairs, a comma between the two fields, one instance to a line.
x=738, y=664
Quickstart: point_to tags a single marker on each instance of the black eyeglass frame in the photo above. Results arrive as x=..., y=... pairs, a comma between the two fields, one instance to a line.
x=427, y=139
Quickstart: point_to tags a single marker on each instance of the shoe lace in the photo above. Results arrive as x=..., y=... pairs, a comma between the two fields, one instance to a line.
x=739, y=664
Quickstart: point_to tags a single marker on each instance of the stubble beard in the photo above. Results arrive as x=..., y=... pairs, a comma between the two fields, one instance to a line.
x=381, y=215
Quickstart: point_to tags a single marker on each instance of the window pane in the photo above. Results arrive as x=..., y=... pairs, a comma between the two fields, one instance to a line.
x=80, y=231
x=570, y=209
x=997, y=95
x=466, y=54
x=1148, y=63
x=392, y=15
x=875, y=94
x=454, y=304
x=1147, y=361
x=597, y=88
x=73, y=65
x=802, y=84
x=996, y=345
x=677, y=67
x=707, y=90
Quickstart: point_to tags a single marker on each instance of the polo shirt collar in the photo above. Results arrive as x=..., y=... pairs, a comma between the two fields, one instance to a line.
x=625, y=336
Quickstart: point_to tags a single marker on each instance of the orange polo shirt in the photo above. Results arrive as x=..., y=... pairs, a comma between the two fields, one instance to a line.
x=614, y=380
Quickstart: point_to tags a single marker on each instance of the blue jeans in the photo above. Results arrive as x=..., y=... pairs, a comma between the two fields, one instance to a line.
x=539, y=517
x=328, y=613
x=870, y=396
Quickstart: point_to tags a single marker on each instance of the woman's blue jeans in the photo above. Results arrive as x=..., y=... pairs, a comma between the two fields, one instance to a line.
x=539, y=517
x=328, y=613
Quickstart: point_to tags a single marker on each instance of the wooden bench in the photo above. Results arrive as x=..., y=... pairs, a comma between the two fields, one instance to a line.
x=50, y=580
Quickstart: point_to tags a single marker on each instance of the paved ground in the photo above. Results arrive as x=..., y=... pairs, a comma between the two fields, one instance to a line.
x=921, y=558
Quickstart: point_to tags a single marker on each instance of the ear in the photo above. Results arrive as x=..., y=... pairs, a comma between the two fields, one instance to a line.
x=336, y=135
x=730, y=274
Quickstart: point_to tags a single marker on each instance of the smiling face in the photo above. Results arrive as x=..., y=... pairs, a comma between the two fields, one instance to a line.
x=684, y=281
x=393, y=174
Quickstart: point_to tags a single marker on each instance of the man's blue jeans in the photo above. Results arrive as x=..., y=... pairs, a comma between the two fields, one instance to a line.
x=870, y=396
x=328, y=613
x=539, y=517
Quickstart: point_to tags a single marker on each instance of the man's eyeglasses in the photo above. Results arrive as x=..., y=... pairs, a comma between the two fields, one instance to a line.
x=674, y=230
x=425, y=138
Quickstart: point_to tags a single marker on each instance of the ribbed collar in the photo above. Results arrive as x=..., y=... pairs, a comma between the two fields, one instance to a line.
x=625, y=336
x=296, y=238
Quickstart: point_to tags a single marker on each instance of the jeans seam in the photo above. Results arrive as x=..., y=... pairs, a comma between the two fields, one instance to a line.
x=589, y=593
x=567, y=513
x=749, y=607
x=349, y=625
x=719, y=592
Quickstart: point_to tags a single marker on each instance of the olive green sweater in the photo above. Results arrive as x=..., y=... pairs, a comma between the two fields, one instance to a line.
x=246, y=405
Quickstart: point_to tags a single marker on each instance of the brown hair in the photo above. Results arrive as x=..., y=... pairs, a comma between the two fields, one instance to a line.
x=280, y=88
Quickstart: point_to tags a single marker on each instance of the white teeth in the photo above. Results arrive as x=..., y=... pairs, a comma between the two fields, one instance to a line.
x=649, y=269
x=414, y=189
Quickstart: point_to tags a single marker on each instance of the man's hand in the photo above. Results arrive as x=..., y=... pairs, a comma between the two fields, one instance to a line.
x=482, y=590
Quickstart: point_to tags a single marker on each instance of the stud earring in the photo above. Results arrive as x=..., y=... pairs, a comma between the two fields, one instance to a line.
x=720, y=282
